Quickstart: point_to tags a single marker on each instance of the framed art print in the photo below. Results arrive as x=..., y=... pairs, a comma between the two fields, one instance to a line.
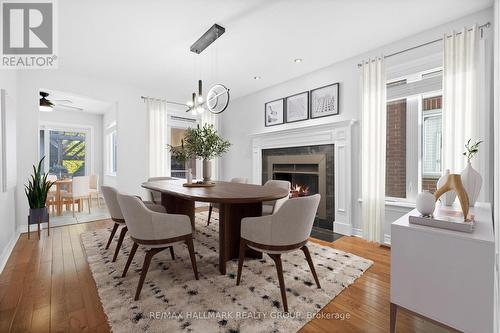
x=325, y=101
x=297, y=107
x=274, y=112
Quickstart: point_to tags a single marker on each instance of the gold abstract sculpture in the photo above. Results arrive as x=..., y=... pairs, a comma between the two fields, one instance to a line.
x=454, y=183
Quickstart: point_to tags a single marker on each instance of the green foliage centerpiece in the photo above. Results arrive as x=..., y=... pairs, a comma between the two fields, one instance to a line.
x=206, y=144
x=36, y=191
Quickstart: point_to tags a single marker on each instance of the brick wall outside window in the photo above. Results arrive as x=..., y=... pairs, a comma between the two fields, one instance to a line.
x=395, y=172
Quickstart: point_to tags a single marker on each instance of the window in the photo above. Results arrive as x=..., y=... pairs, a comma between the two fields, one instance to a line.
x=111, y=148
x=65, y=152
x=413, y=135
x=177, y=168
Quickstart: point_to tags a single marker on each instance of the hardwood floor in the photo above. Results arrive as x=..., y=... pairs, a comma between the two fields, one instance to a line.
x=47, y=286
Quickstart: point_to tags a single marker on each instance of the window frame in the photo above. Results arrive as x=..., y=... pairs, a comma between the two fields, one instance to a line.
x=414, y=102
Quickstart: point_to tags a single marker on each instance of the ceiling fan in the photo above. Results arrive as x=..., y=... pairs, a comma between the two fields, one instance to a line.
x=47, y=105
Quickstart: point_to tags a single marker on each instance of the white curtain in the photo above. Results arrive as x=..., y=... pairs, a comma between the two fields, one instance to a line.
x=373, y=128
x=157, y=118
x=208, y=117
x=461, y=103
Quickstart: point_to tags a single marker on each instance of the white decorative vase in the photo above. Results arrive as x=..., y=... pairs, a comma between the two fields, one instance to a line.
x=449, y=197
x=207, y=170
x=189, y=176
x=472, y=181
x=426, y=203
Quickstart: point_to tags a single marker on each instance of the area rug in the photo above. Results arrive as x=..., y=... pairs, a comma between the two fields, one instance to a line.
x=173, y=301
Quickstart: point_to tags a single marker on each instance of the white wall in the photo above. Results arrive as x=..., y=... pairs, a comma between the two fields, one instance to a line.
x=131, y=120
x=245, y=115
x=496, y=172
x=8, y=230
x=82, y=119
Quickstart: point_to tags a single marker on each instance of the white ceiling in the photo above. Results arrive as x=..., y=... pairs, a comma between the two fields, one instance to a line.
x=146, y=43
x=65, y=101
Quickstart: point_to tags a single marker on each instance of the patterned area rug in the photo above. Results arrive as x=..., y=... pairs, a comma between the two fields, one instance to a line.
x=173, y=301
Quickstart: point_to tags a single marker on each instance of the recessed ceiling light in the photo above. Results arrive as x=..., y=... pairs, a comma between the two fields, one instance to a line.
x=298, y=60
x=256, y=77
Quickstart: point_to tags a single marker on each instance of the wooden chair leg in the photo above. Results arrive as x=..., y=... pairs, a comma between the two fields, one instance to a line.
x=48, y=225
x=311, y=264
x=120, y=241
x=172, y=252
x=130, y=258
x=243, y=247
x=113, y=232
x=145, y=267
x=189, y=243
x=279, y=268
x=98, y=201
x=209, y=213
x=29, y=233
x=38, y=228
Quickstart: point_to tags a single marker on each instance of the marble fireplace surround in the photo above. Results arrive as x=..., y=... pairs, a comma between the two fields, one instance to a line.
x=337, y=133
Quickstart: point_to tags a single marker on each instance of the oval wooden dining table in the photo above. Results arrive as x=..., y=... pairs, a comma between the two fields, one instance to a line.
x=235, y=200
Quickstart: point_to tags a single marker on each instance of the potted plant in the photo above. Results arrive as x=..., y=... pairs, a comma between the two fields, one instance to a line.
x=471, y=179
x=36, y=191
x=205, y=143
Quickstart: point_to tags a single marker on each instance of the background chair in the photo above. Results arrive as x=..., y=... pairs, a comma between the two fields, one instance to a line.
x=284, y=231
x=155, y=196
x=240, y=180
x=79, y=191
x=94, y=188
x=154, y=231
x=270, y=207
x=51, y=195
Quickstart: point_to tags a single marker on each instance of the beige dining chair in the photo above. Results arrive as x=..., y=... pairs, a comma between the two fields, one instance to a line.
x=79, y=191
x=270, y=207
x=155, y=196
x=154, y=231
x=240, y=180
x=94, y=188
x=52, y=194
x=286, y=230
x=110, y=195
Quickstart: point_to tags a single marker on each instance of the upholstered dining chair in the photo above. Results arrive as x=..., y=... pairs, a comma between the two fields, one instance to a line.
x=284, y=231
x=155, y=196
x=240, y=180
x=270, y=207
x=79, y=191
x=94, y=188
x=156, y=232
x=110, y=198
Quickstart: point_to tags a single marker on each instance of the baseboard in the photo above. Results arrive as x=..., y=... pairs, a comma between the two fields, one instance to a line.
x=342, y=228
x=7, y=251
x=359, y=233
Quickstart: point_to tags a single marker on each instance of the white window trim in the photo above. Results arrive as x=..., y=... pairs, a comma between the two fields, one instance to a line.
x=109, y=150
x=413, y=100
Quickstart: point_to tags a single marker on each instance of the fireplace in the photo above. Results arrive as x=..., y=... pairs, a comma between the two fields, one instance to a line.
x=309, y=170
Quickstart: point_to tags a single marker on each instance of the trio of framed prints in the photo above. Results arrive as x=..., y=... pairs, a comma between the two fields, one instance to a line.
x=317, y=103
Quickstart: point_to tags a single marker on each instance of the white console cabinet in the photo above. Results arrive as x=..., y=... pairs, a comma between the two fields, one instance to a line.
x=443, y=275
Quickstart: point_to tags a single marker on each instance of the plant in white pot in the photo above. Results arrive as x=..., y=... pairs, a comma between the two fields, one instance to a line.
x=471, y=179
x=205, y=143
x=36, y=191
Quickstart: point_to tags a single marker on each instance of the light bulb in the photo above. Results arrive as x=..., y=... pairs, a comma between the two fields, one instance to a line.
x=200, y=109
x=189, y=103
x=45, y=108
x=193, y=111
x=200, y=99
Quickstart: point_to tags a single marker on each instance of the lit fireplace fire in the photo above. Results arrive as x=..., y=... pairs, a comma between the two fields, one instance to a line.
x=299, y=190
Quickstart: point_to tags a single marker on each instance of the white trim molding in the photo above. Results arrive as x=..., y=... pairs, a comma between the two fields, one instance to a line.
x=7, y=251
x=337, y=133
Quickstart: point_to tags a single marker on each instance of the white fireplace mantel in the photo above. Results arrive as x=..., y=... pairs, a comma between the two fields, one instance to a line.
x=337, y=133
